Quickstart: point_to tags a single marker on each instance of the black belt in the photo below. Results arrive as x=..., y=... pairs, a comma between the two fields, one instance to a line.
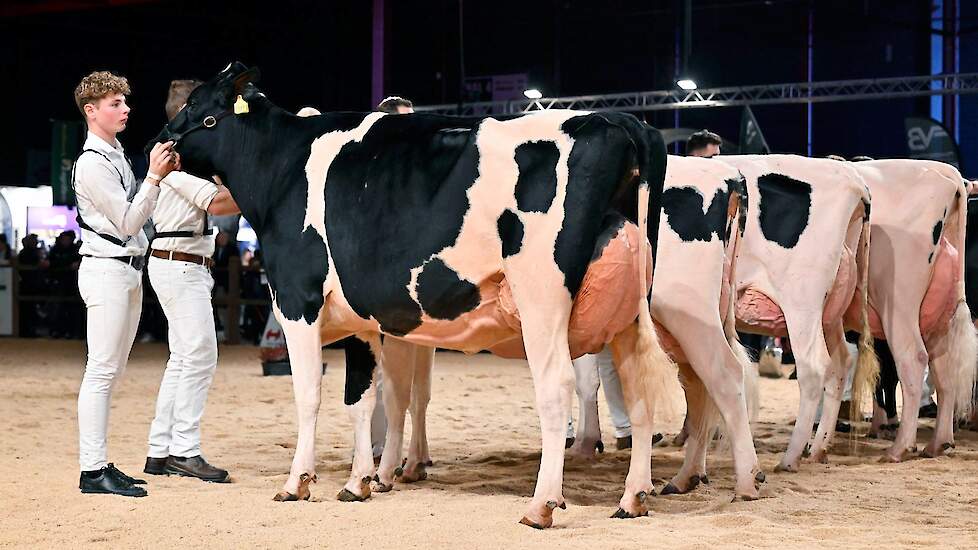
x=136, y=262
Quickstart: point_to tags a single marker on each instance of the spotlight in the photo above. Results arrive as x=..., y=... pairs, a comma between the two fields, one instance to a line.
x=687, y=84
x=532, y=93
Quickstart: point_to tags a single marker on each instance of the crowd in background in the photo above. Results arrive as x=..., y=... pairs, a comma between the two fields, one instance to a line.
x=51, y=273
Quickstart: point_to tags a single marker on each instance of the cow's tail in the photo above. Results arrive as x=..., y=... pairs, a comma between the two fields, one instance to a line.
x=660, y=375
x=867, y=373
x=962, y=342
x=737, y=189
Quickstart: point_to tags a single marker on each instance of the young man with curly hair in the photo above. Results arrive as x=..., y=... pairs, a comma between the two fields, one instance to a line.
x=111, y=214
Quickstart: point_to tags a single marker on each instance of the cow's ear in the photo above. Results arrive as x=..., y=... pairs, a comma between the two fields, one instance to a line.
x=250, y=76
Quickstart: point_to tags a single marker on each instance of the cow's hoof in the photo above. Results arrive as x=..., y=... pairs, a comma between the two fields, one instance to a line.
x=536, y=525
x=347, y=495
x=790, y=468
x=745, y=497
x=302, y=493
x=934, y=451
x=398, y=472
x=670, y=489
x=414, y=475
x=633, y=506
x=760, y=477
x=381, y=487
x=704, y=479
x=818, y=457
x=621, y=513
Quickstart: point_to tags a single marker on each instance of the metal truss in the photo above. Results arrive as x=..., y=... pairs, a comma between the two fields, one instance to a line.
x=768, y=94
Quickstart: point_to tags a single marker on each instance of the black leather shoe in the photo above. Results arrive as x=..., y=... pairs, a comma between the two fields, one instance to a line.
x=155, y=466
x=108, y=482
x=196, y=466
x=130, y=479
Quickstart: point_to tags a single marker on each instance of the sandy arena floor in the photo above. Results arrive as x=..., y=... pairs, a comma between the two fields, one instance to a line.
x=485, y=444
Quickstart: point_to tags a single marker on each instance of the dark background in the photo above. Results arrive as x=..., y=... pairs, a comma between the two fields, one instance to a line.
x=319, y=54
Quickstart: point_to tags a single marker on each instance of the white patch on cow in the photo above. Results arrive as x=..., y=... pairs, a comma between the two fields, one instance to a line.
x=474, y=255
x=322, y=153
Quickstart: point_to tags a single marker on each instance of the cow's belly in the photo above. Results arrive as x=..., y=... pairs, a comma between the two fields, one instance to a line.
x=757, y=313
x=607, y=302
x=940, y=300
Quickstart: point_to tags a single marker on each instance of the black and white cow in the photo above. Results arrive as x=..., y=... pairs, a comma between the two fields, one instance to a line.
x=401, y=225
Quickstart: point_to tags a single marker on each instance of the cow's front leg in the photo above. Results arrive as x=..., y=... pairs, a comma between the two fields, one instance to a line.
x=360, y=397
x=419, y=458
x=306, y=359
x=397, y=364
x=587, y=382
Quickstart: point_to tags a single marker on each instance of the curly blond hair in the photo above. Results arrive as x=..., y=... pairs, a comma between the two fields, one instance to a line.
x=98, y=85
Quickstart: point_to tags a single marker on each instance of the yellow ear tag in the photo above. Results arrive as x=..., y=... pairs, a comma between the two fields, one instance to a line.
x=240, y=106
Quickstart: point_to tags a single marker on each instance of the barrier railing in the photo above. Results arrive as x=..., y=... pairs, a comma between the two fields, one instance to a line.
x=232, y=300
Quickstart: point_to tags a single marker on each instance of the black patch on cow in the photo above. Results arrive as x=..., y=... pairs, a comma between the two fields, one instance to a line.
x=444, y=295
x=600, y=162
x=536, y=185
x=510, y=232
x=683, y=208
x=297, y=279
x=613, y=223
x=867, y=208
x=360, y=365
x=938, y=228
x=394, y=200
x=971, y=256
x=785, y=204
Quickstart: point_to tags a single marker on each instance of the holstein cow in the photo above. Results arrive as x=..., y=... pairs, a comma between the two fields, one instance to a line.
x=704, y=208
x=703, y=205
x=404, y=225
x=804, y=254
x=917, y=290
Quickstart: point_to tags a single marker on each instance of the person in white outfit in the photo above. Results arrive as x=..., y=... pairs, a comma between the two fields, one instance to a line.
x=111, y=214
x=179, y=270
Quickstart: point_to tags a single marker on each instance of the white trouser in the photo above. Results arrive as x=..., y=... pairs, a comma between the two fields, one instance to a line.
x=184, y=290
x=378, y=422
x=113, y=294
x=612, y=392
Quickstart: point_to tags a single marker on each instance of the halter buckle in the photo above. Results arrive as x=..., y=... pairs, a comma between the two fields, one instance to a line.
x=209, y=122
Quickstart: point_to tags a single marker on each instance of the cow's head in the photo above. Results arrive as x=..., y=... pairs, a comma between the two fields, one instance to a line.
x=193, y=130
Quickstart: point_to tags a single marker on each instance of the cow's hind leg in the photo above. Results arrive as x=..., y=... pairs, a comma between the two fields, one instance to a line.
x=362, y=354
x=835, y=379
x=953, y=365
x=911, y=358
x=700, y=420
x=647, y=378
x=812, y=359
x=418, y=456
x=306, y=358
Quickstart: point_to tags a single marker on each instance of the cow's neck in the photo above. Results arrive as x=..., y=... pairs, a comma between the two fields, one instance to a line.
x=252, y=161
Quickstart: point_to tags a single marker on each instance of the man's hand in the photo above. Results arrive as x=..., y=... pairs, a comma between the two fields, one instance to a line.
x=162, y=160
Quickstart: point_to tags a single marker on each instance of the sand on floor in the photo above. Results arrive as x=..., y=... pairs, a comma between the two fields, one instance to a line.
x=484, y=437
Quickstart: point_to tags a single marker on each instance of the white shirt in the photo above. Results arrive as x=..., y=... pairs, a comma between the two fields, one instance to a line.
x=101, y=197
x=182, y=206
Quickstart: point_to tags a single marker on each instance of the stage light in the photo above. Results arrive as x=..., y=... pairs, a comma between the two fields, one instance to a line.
x=532, y=93
x=687, y=84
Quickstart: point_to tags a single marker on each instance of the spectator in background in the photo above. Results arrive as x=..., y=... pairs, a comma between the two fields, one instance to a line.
x=64, y=259
x=31, y=260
